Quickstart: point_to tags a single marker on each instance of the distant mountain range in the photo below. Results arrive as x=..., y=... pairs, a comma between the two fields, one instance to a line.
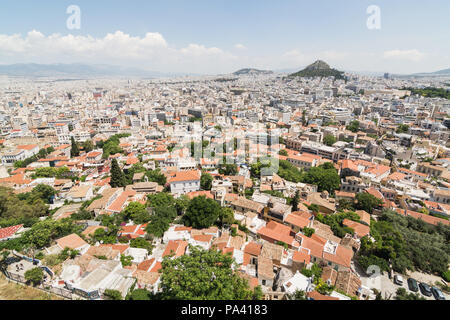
x=82, y=71
x=445, y=72
x=318, y=69
x=250, y=71
x=76, y=70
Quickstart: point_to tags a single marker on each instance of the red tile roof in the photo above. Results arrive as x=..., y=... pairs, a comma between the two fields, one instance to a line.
x=191, y=175
x=9, y=231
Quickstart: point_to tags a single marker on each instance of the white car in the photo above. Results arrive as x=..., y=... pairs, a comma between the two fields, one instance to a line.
x=398, y=280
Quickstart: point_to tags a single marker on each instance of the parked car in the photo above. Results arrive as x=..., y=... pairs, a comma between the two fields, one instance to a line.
x=425, y=289
x=412, y=285
x=437, y=293
x=398, y=280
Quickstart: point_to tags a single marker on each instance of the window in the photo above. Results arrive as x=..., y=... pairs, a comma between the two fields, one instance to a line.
x=264, y=282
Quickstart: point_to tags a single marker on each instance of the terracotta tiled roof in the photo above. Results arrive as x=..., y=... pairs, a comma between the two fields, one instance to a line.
x=176, y=247
x=360, y=229
x=180, y=176
x=9, y=231
x=277, y=232
x=424, y=217
x=72, y=241
x=253, y=248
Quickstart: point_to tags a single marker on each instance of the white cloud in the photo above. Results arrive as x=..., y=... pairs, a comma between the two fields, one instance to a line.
x=150, y=51
x=412, y=55
x=240, y=46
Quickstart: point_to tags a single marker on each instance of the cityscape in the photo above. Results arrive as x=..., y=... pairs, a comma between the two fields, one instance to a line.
x=138, y=168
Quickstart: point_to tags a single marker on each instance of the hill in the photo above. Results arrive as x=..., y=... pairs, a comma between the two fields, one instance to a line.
x=250, y=71
x=76, y=70
x=319, y=69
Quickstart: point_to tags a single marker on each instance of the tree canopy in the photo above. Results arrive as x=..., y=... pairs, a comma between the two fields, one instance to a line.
x=329, y=140
x=206, y=181
x=117, y=176
x=325, y=177
x=367, y=202
x=408, y=243
x=74, y=150
x=202, y=275
x=201, y=213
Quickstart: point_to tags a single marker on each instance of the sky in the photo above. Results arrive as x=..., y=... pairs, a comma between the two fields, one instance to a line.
x=217, y=36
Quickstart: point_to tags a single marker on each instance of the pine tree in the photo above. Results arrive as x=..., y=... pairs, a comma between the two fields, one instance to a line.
x=74, y=151
x=295, y=201
x=117, y=176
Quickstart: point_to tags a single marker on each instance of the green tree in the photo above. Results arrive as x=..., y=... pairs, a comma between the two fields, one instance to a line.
x=297, y=295
x=226, y=216
x=35, y=276
x=117, y=176
x=329, y=140
x=202, y=275
x=228, y=169
x=324, y=176
x=403, y=128
x=206, y=181
x=160, y=220
x=353, y=126
x=296, y=201
x=345, y=204
x=367, y=202
x=402, y=294
x=126, y=260
x=157, y=176
x=141, y=243
x=74, y=151
x=201, y=213
x=181, y=204
x=140, y=294
x=113, y=294
x=137, y=212
x=162, y=199
x=283, y=153
x=88, y=146
x=308, y=231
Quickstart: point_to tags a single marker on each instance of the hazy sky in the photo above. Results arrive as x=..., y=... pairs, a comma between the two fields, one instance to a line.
x=216, y=36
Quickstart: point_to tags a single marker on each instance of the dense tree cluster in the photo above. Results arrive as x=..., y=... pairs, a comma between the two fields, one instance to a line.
x=431, y=92
x=367, y=202
x=41, y=234
x=407, y=243
x=164, y=208
x=51, y=172
x=111, y=146
x=202, y=213
x=353, y=126
x=137, y=212
x=25, y=208
x=228, y=169
x=286, y=171
x=335, y=222
x=203, y=275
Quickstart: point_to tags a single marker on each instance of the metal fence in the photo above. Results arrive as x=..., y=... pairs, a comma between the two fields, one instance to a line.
x=65, y=293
